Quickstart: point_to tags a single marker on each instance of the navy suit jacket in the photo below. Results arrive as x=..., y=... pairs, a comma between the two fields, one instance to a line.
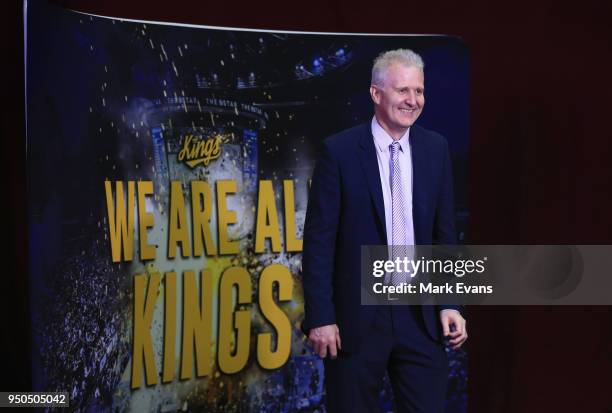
x=346, y=211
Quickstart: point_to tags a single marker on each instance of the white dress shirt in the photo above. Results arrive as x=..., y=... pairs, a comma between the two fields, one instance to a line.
x=382, y=141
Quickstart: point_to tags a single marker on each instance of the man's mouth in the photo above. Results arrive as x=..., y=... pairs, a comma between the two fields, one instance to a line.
x=407, y=110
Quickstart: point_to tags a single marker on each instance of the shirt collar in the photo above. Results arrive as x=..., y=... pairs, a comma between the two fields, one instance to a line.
x=383, y=140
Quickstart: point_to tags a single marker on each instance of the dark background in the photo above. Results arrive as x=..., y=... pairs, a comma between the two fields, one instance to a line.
x=540, y=164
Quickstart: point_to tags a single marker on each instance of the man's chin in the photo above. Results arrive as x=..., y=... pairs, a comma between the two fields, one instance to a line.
x=408, y=122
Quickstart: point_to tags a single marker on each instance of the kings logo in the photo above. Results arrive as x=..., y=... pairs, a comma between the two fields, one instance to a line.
x=197, y=150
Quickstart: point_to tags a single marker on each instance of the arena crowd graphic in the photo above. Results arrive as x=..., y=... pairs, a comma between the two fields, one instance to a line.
x=168, y=174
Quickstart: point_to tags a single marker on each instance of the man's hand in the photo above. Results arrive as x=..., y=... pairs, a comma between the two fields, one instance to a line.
x=324, y=339
x=458, y=335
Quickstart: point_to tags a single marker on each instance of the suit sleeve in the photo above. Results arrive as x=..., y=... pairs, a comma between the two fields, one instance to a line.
x=320, y=232
x=444, y=225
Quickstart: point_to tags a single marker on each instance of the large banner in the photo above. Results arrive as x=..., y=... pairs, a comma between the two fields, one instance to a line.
x=168, y=176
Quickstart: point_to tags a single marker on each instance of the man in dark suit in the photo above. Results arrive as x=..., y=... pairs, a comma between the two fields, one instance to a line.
x=386, y=182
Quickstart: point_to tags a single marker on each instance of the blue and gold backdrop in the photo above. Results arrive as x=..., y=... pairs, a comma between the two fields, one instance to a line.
x=168, y=172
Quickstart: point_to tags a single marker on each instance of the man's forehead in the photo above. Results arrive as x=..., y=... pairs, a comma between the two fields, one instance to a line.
x=401, y=73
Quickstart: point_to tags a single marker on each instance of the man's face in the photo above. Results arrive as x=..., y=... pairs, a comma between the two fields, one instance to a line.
x=398, y=102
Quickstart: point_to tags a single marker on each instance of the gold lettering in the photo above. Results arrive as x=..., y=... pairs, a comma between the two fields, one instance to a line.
x=201, y=194
x=143, y=316
x=267, y=225
x=226, y=217
x=279, y=275
x=197, y=321
x=291, y=243
x=120, y=221
x=239, y=326
x=145, y=220
x=178, y=232
x=169, y=325
x=196, y=150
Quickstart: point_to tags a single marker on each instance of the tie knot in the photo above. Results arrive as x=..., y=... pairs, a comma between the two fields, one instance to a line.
x=395, y=147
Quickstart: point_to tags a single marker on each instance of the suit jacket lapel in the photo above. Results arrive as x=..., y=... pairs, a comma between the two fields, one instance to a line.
x=369, y=162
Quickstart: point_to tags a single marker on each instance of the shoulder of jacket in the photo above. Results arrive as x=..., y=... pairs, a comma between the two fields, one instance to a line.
x=347, y=138
x=428, y=136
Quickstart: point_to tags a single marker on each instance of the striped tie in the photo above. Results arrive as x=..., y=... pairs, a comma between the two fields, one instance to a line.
x=398, y=208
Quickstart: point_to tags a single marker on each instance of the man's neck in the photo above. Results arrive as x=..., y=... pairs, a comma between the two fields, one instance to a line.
x=396, y=135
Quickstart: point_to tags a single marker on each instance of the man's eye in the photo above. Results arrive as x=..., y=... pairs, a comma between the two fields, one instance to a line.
x=419, y=92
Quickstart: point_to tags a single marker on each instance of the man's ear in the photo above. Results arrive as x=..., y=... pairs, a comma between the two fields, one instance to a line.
x=375, y=94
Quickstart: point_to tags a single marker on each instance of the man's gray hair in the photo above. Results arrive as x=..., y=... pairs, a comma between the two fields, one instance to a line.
x=405, y=57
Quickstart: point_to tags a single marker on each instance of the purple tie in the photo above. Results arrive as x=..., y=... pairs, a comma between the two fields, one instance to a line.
x=398, y=209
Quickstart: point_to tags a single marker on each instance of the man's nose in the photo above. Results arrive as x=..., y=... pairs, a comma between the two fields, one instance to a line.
x=411, y=98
